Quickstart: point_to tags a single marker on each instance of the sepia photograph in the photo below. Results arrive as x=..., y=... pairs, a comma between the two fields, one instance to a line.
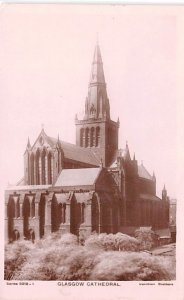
x=89, y=154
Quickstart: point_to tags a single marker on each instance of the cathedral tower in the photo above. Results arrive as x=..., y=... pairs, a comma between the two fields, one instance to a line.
x=97, y=131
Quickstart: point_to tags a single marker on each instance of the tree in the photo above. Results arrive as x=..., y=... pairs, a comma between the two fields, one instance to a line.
x=146, y=237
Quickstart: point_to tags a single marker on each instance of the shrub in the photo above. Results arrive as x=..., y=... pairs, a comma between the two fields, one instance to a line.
x=61, y=258
x=126, y=266
x=15, y=256
x=146, y=237
x=109, y=242
x=126, y=243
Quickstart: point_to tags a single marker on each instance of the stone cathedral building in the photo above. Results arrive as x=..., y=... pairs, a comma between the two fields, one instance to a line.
x=84, y=187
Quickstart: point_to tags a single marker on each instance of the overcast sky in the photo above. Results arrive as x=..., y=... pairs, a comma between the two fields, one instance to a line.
x=45, y=57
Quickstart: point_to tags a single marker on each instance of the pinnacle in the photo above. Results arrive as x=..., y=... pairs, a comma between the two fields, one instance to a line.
x=28, y=144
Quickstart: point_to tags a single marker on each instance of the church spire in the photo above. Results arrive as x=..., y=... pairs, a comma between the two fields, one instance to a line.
x=97, y=73
x=97, y=102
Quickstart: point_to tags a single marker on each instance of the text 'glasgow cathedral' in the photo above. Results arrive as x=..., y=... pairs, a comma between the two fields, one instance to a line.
x=87, y=187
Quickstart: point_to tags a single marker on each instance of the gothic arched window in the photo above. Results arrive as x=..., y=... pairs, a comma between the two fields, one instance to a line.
x=38, y=167
x=87, y=137
x=50, y=168
x=46, y=168
x=32, y=169
x=92, y=137
x=97, y=136
x=82, y=137
x=43, y=173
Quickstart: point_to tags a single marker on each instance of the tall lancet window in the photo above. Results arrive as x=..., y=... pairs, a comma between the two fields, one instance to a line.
x=43, y=166
x=87, y=137
x=50, y=168
x=46, y=168
x=82, y=137
x=94, y=138
x=38, y=167
x=92, y=142
x=32, y=169
x=97, y=136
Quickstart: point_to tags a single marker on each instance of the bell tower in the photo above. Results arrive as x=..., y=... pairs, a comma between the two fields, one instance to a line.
x=97, y=131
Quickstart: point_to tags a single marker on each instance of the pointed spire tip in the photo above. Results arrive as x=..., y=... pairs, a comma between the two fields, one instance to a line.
x=28, y=143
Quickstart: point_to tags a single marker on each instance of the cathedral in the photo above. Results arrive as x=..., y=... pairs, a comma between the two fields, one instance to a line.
x=90, y=186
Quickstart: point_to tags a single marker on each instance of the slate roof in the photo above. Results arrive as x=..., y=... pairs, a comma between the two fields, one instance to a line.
x=73, y=152
x=78, y=177
x=143, y=173
x=149, y=197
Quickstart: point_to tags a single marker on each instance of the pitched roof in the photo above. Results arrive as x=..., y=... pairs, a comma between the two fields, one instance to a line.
x=149, y=197
x=78, y=177
x=73, y=152
x=143, y=173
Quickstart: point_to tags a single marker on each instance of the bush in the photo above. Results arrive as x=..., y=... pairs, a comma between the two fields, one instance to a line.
x=125, y=266
x=115, y=242
x=61, y=258
x=16, y=254
x=125, y=242
x=146, y=237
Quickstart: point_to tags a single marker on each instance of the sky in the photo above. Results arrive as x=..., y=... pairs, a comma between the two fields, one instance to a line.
x=45, y=61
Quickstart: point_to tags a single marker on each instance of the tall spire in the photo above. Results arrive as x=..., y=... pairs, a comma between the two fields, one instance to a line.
x=97, y=102
x=97, y=73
